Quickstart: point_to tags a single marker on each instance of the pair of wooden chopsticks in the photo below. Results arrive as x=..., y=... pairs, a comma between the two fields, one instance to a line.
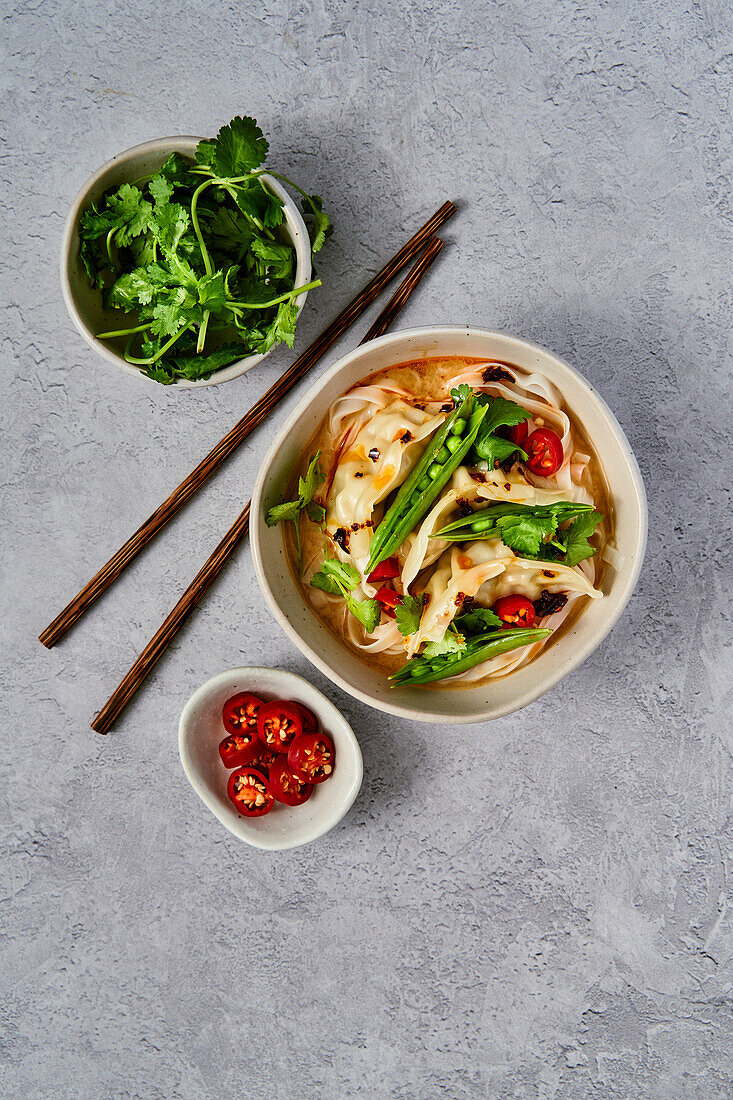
x=216, y=457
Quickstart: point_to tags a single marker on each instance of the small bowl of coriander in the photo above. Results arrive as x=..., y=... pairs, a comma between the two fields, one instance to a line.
x=185, y=261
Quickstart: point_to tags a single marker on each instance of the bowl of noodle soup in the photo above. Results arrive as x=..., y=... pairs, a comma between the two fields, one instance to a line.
x=373, y=419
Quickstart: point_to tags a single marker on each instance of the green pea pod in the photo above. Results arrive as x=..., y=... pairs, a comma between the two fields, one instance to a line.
x=462, y=530
x=412, y=502
x=420, y=670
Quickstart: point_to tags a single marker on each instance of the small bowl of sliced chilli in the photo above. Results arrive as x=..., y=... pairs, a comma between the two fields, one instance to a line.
x=201, y=730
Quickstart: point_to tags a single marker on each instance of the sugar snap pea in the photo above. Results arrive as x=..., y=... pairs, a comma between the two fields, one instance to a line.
x=427, y=479
x=483, y=647
x=482, y=524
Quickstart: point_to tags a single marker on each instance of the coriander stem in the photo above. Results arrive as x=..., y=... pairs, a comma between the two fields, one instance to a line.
x=297, y=539
x=202, y=332
x=234, y=306
x=110, y=257
x=122, y=332
x=159, y=354
x=197, y=228
x=292, y=184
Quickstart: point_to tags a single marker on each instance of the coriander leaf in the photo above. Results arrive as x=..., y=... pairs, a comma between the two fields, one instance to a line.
x=321, y=227
x=500, y=414
x=211, y=292
x=343, y=572
x=93, y=255
x=368, y=612
x=170, y=223
x=281, y=329
x=277, y=259
x=200, y=366
x=132, y=290
x=133, y=213
x=238, y=148
x=205, y=153
x=326, y=584
x=314, y=477
x=171, y=315
x=143, y=250
x=229, y=232
x=524, y=532
x=150, y=347
x=449, y=643
x=160, y=374
x=478, y=621
x=175, y=170
x=339, y=578
x=94, y=223
x=407, y=614
x=289, y=509
x=254, y=290
x=461, y=393
x=161, y=276
x=316, y=512
x=161, y=189
x=577, y=547
x=493, y=449
x=257, y=202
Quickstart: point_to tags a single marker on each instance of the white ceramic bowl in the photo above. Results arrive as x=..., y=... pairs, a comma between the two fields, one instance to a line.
x=522, y=686
x=201, y=729
x=84, y=303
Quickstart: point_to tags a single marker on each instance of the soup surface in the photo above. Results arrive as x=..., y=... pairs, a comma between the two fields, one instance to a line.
x=490, y=545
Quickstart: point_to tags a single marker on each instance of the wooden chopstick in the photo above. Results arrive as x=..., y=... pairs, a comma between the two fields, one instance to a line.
x=109, y=573
x=198, y=587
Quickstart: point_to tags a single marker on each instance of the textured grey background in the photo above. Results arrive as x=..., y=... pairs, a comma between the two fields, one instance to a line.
x=537, y=908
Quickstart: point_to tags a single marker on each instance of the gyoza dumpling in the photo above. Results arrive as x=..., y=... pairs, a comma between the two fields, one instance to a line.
x=529, y=578
x=459, y=574
x=377, y=461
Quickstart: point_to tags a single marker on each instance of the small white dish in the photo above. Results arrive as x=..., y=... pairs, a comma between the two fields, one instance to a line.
x=201, y=729
x=84, y=303
x=354, y=674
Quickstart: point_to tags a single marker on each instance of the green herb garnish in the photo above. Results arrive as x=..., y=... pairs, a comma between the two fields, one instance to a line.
x=407, y=614
x=451, y=642
x=291, y=509
x=195, y=252
x=478, y=621
x=340, y=579
x=492, y=448
x=573, y=540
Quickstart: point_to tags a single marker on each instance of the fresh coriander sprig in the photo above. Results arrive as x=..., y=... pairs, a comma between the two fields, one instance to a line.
x=340, y=579
x=478, y=621
x=291, y=509
x=451, y=642
x=408, y=613
x=492, y=448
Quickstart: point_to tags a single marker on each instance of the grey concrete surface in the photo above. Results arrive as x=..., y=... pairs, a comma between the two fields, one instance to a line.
x=538, y=908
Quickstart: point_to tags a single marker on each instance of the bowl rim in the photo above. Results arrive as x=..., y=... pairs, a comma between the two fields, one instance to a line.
x=231, y=819
x=628, y=583
x=185, y=144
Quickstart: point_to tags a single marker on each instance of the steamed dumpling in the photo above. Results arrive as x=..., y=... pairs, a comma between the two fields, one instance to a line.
x=376, y=462
x=459, y=574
